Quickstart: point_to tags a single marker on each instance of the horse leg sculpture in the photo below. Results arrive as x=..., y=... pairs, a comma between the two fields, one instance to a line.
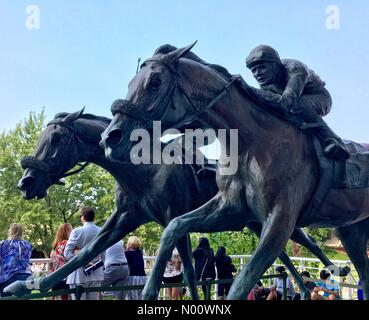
x=118, y=225
x=272, y=243
x=114, y=230
x=211, y=217
x=300, y=237
x=184, y=248
x=355, y=238
x=305, y=292
x=219, y=215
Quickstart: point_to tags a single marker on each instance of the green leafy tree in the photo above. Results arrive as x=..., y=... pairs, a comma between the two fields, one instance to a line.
x=241, y=242
x=321, y=236
x=13, y=146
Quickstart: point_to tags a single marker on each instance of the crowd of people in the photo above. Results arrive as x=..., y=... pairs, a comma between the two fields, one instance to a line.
x=325, y=289
x=121, y=266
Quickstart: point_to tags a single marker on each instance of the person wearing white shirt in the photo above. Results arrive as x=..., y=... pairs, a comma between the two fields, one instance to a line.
x=79, y=238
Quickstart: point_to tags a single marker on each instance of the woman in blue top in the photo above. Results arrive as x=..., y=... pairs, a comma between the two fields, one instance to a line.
x=15, y=254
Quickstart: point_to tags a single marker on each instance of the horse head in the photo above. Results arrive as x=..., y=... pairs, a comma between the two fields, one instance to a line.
x=56, y=153
x=171, y=88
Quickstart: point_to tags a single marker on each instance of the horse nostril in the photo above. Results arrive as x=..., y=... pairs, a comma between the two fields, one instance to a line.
x=114, y=138
x=25, y=183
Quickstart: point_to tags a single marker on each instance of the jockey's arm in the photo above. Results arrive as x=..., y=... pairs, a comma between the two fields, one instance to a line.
x=297, y=79
x=263, y=96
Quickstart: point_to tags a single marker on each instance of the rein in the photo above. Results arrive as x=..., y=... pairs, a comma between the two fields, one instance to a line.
x=127, y=108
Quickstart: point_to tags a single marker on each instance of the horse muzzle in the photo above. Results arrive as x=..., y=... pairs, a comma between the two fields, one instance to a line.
x=30, y=188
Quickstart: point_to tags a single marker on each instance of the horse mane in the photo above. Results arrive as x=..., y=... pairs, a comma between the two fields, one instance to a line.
x=223, y=72
x=87, y=116
x=167, y=48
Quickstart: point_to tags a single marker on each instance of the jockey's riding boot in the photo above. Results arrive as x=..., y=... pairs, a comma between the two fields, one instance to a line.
x=333, y=145
x=335, y=148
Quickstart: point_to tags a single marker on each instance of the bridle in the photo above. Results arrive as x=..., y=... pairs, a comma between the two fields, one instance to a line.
x=45, y=167
x=128, y=108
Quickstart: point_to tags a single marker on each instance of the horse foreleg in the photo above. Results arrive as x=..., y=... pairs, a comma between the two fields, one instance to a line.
x=184, y=248
x=301, y=237
x=214, y=216
x=354, y=239
x=305, y=292
x=118, y=225
x=272, y=242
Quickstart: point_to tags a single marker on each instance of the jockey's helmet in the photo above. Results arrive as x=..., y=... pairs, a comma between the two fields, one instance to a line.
x=262, y=53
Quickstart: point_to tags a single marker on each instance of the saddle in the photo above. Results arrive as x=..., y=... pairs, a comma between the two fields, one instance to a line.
x=350, y=174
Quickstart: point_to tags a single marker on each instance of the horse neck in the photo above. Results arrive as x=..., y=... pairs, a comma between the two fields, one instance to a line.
x=235, y=110
x=280, y=150
x=88, y=135
x=257, y=129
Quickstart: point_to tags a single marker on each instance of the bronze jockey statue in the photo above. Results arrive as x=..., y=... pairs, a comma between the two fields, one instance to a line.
x=290, y=85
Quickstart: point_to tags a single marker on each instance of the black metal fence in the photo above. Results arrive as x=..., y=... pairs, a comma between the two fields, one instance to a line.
x=79, y=290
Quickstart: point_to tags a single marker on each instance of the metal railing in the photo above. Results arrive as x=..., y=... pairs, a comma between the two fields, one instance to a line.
x=348, y=287
x=79, y=290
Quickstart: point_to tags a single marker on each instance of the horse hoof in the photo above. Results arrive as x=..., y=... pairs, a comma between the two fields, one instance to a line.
x=149, y=295
x=345, y=271
x=18, y=288
x=306, y=295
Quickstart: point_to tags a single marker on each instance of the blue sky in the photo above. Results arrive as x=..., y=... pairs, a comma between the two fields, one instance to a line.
x=85, y=52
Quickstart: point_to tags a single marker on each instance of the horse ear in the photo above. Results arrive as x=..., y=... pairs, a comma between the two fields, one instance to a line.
x=176, y=54
x=73, y=116
x=165, y=49
x=61, y=115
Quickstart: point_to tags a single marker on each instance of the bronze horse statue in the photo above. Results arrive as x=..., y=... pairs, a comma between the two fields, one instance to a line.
x=143, y=192
x=277, y=166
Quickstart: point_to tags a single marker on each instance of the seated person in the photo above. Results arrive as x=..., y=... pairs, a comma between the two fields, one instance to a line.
x=328, y=286
x=260, y=292
x=307, y=283
x=276, y=291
